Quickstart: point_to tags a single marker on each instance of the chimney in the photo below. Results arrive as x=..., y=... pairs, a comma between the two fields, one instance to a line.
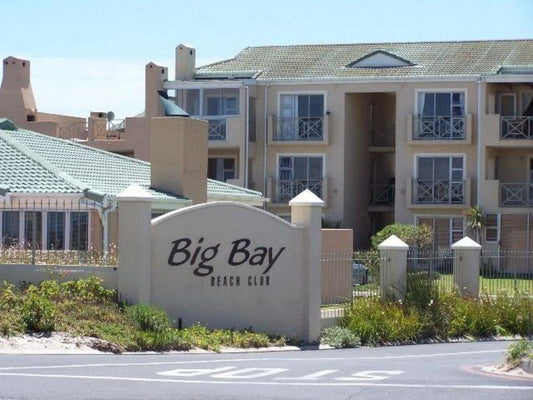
x=185, y=62
x=16, y=95
x=179, y=156
x=155, y=75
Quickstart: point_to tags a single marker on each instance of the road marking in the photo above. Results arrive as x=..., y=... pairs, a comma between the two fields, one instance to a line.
x=311, y=377
x=203, y=382
x=194, y=371
x=370, y=376
x=247, y=373
x=252, y=359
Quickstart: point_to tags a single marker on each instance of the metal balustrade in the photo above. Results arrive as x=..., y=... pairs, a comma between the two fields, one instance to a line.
x=516, y=127
x=217, y=129
x=76, y=131
x=516, y=194
x=381, y=195
x=286, y=189
x=299, y=128
x=438, y=192
x=440, y=128
x=97, y=130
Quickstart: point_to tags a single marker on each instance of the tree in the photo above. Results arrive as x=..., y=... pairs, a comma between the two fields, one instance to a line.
x=420, y=236
x=475, y=220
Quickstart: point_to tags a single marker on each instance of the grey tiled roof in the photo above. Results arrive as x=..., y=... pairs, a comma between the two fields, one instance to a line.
x=31, y=162
x=435, y=59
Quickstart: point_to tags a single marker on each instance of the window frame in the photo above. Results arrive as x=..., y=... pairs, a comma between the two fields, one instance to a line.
x=450, y=219
x=493, y=227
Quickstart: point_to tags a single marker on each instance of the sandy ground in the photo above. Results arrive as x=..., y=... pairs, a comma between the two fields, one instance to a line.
x=55, y=343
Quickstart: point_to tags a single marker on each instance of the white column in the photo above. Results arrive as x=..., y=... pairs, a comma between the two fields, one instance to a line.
x=466, y=266
x=306, y=211
x=393, y=267
x=134, y=245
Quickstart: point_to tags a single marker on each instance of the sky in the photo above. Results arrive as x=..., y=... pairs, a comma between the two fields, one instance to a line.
x=90, y=55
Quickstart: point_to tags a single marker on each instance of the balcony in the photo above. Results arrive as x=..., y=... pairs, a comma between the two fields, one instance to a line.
x=94, y=129
x=281, y=191
x=381, y=195
x=309, y=130
x=516, y=127
x=438, y=192
x=516, y=194
x=440, y=128
x=217, y=129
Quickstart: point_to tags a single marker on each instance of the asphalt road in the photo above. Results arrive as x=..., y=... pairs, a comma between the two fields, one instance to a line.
x=437, y=371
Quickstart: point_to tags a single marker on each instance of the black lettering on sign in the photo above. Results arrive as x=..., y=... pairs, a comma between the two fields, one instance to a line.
x=239, y=255
x=179, y=248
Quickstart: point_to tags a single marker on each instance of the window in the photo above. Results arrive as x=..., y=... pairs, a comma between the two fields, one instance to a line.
x=440, y=116
x=33, y=224
x=446, y=230
x=297, y=173
x=301, y=117
x=221, y=169
x=439, y=180
x=79, y=231
x=10, y=228
x=219, y=102
x=55, y=232
x=491, y=227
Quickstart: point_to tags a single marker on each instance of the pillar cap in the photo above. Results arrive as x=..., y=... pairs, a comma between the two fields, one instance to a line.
x=134, y=193
x=393, y=242
x=466, y=243
x=306, y=198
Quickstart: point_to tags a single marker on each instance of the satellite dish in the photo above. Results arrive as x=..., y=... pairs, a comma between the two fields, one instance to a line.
x=110, y=115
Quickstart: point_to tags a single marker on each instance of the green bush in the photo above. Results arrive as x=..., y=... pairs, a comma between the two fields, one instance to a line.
x=376, y=322
x=149, y=318
x=518, y=351
x=166, y=340
x=88, y=289
x=420, y=236
x=339, y=337
x=38, y=313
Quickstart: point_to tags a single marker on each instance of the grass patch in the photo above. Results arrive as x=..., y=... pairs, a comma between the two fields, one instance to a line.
x=85, y=308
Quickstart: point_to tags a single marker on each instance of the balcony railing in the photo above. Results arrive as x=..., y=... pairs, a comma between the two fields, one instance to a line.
x=440, y=128
x=217, y=129
x=381, y=195
x=76, y=131
x=438, y=192
x=94, y=129
x=516, y=194
x=299, y=128
x=516, y=127
x=286, y=189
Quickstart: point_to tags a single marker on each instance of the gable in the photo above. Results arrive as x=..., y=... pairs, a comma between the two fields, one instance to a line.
x=380, y=59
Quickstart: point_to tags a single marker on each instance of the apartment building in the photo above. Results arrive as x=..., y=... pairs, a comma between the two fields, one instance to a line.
x=407, y=132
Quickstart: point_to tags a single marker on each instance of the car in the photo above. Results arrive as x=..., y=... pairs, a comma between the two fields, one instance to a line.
x=359, y=274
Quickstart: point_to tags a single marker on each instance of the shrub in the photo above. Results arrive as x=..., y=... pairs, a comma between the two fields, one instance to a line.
x=88, y=289
x=376, y=322
x=340, y=337
x=148, y=318
x=38, y=313
x=161, y=341
x=518, y=351
x=420, y=236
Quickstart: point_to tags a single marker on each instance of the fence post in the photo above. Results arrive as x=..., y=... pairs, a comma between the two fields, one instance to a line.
x=134, y=250
x=466, y=262
x=306, y=210
x=393, y=267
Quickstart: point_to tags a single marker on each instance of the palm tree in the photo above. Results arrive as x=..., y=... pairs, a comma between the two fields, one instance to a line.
x=476, y=220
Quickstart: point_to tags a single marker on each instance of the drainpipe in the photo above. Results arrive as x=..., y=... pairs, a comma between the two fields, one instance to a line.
x=479, y=110
x=247, y=133
x=265, y=141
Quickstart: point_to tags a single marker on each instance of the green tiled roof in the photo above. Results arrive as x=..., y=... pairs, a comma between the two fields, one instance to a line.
x=429, y=59
x=33, y=162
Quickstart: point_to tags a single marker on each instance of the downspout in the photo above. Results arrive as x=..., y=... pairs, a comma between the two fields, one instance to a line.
x=479, y=110
x=247, y=133
x=265, y=141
